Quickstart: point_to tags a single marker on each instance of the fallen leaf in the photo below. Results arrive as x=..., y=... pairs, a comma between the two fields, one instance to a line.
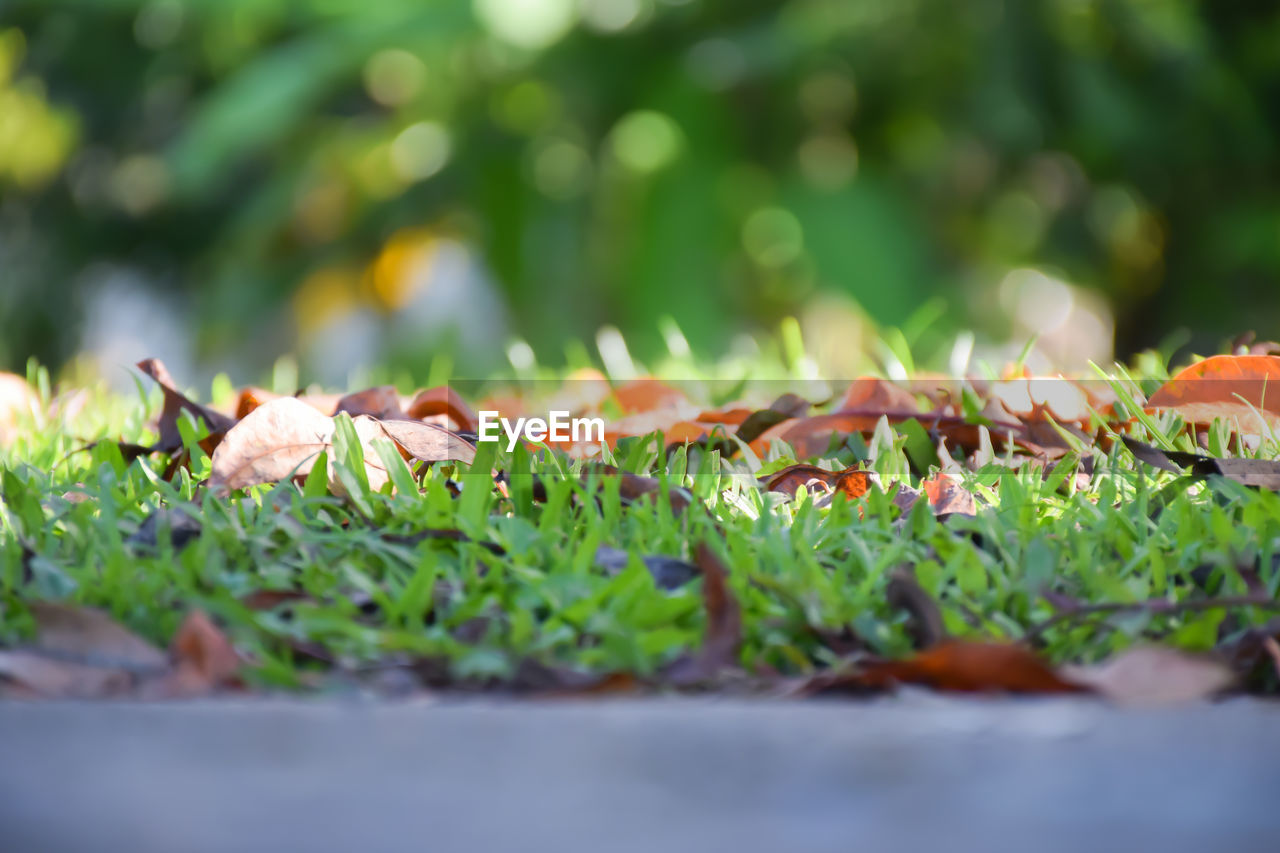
x=269, y=599
x=443, y=400
x=203, y=658
x=175, y=402
x=969, y=667
x=852, y=482
x=1154, y=675
x=869, y=395
x=429, y=442
x=947, y=496
x=279, y=439
x=784, y=408
x=381, y=402
x=252, y=398
x=1240, y=388
x=646, y=395
x=88, y=636
x=1259, y=473
x=54, y=678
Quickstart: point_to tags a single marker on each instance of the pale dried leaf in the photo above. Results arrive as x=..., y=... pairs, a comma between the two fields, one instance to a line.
x=54, y=678
x=1153, y=675
x=279, y=439
x=91, y=637
x=428, y=442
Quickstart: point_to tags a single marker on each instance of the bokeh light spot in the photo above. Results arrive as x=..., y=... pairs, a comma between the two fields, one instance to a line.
x=393, y=77
x=531, y=24
x=612, y=16
x=158, y=24
x=561, y=169
x=829, y=161
x=772, y=237
x=646, y=141
x=420, y=151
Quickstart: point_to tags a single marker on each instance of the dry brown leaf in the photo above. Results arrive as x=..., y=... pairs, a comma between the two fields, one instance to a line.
x=968, y=667
x=1154, y=675
x=851, y=482
x=203, y=659
x=279, y=439
x=381, y=402
x=174, y=404
x=428, y=442
x=53, y=678
x=89, y=636
x=947, y=496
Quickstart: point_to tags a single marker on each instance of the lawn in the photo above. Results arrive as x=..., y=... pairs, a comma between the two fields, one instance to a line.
x=531, y=571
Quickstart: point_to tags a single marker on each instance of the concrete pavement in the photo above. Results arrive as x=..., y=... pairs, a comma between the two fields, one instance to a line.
x=919, y=772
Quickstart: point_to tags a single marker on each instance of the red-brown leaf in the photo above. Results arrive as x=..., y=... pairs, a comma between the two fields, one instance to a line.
x=443, y=400
x=202, y=655
x=968, y=667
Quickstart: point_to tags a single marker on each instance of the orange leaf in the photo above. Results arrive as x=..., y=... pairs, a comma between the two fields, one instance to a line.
x=250, y=399
x=200, y=646
x=729, y=417
x=969, y=667
x=947, y=496
x=852, y=482
x=1225, y=386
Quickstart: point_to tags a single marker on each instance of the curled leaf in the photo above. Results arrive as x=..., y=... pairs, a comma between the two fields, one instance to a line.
x=443, y=400
x=175, y=402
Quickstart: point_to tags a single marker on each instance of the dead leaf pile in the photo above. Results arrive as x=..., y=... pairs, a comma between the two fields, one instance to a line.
x=951, y=426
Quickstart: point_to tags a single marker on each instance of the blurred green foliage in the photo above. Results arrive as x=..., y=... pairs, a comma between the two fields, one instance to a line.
x=614, y=161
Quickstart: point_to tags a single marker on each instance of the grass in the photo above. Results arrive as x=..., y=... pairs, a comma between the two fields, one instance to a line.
x=358, y=595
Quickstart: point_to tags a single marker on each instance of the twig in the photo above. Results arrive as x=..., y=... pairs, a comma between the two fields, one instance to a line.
x=1153, y=605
